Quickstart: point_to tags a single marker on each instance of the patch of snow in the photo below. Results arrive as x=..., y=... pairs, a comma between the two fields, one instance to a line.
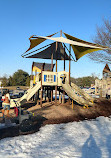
x=87, y=139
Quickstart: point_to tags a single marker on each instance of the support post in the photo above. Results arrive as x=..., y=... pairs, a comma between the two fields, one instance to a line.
x=38, y=97
x=35, y=76
x=32, y=71
x=56, y=71
x=69, y=68
x=41, y=91
x=60, y=98
x=47, y=94
x=41, y=86
x=32, y=78
x=31, y=75
x=64, y=59
x=69, y=63
x=51, y=94
x=72, y=104
x=63, y=97
x=61, y=33
x=56, y=56
x=56, y=95
x=52, y=62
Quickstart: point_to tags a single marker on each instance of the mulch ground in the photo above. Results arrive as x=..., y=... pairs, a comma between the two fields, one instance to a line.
x=101, y=108
x=51, y=114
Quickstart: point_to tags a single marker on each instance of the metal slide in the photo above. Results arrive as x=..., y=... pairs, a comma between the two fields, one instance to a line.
x=26, y=97
x=70, y=92
x=81, y=92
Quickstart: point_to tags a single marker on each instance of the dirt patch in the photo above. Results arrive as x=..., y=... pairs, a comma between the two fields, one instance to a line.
x=65, y=111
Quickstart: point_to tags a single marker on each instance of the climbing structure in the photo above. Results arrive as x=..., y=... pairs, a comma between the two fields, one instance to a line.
x=103, y=86
x=45, y=79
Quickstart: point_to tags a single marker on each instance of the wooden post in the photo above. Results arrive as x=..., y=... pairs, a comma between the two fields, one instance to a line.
x=60, y=98
x=32, y=75
x=35, y=72
x=41, y=85
x=38, y=97
x=100, y=93
x=37, y=102
x=63, y=99
x=72, y=104
x=59, y=91
x=56, y=71
x=56, y=95
x=64, y=58
x=52, y=62
x=63, y=96
x=41, y=90
x=56, y=56
x=61, y=33
x=35, y=75
x=69, y=63
x=52, y=70
x=47, y=94
x=52, y=59
x=69, y=69
x=51, y=94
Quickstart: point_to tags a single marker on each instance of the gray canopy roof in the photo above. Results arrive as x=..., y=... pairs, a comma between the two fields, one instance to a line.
x=51, y=49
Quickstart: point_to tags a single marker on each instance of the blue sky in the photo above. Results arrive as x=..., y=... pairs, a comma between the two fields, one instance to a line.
x=19, y=19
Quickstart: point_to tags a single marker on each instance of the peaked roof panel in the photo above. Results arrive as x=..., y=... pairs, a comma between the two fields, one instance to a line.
x=106, y=68
x=82, y=41
x=34, y=41
x=69, y=41
x=79, y=50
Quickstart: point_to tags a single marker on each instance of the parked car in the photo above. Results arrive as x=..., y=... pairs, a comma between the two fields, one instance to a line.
x=21, y=94
x=15, y=96
x=18, y=88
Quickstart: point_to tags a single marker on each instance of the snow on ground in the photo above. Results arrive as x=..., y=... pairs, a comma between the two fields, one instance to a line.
x=87, y=139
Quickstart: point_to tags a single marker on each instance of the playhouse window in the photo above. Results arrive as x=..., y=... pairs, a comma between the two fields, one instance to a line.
x=48, y=78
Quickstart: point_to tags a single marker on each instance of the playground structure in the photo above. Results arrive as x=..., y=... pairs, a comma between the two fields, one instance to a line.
x=104, y=85
x=52, y=80
x=46, y=81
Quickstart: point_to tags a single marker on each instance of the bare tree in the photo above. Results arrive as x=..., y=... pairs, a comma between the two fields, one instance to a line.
x=103, y=37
